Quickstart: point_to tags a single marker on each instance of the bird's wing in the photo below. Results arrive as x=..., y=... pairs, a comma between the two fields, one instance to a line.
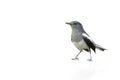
x=86, y=34
x=88, y=41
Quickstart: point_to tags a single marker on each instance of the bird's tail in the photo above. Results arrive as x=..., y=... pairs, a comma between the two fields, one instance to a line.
x=100, y=48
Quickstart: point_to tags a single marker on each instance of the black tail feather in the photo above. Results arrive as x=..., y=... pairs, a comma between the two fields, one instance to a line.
x=100, y=48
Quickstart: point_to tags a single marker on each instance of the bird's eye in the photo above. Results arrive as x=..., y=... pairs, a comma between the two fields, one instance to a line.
x=74, y=23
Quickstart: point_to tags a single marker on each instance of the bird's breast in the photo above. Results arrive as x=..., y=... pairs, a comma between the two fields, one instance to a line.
x=81, y=45
x=76, y=37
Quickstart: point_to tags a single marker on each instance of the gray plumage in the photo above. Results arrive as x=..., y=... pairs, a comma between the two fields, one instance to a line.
x=82, y=40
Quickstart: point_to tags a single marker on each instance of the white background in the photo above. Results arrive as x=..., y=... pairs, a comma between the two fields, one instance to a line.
x=35, y=41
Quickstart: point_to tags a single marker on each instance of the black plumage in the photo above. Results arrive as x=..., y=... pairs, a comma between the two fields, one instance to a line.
x=89, y=43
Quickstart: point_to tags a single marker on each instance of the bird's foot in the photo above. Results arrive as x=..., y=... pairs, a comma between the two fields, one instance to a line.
x=89, y=59
x=75, y=58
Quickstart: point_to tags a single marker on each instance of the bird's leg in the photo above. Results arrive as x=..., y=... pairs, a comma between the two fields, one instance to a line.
x=76, y=57
x=90, y=57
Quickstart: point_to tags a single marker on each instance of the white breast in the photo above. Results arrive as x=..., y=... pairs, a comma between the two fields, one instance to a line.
x=81, y=45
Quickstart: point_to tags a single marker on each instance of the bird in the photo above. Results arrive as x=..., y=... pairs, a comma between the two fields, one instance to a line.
x=82, y=40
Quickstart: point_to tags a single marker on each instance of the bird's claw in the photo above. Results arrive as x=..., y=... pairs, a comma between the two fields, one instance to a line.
x=75, y=58
x=89, y=59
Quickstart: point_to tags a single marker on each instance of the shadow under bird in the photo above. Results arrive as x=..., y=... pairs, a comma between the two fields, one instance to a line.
x=82, y=40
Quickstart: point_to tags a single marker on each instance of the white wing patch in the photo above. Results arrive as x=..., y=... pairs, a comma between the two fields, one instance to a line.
x=88, y=37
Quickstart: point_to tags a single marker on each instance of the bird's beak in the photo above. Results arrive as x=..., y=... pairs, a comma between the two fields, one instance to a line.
x=68, y=23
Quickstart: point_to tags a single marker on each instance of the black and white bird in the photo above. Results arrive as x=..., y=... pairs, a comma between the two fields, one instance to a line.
x=82, y=40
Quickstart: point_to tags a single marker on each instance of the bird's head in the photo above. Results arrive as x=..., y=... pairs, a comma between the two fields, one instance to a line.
x=75, y=24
